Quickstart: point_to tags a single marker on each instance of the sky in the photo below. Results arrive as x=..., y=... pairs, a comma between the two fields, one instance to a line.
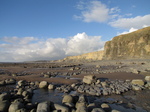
x=33, y=30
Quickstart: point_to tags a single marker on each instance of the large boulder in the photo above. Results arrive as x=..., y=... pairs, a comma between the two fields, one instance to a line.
x=43, y=84
x=138, y=82
x=15, y=106
x=43, y=107
x=89, y=79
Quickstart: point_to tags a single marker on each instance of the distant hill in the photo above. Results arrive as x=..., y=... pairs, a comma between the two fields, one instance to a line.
x=97, y=55
x=135, y=45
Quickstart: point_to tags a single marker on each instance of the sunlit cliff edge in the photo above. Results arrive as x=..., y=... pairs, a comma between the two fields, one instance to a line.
x=135, y=45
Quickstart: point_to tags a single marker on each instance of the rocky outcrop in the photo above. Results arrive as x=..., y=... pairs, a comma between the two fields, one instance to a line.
x=129, y=46
x=97, y=55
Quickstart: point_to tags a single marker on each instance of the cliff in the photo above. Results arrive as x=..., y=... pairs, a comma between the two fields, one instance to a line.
x=135, y=45
x=97, y=55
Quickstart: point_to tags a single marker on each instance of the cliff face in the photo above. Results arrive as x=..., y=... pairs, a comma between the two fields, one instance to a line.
x=98, y=55
x=129, y=46
x=135, y=45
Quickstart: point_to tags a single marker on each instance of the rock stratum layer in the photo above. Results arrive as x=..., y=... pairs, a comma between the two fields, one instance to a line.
x=135, y=45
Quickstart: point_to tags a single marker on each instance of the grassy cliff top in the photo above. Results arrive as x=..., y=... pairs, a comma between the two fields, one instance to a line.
x=145, y=32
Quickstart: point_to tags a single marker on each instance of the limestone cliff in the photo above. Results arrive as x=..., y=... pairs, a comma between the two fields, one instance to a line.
x=97, y=55
x=129, y=46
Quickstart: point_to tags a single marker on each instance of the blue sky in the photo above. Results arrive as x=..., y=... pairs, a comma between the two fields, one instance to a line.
x=54, y=29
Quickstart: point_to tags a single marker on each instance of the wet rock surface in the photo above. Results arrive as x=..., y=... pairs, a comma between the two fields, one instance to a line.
x=101, y=95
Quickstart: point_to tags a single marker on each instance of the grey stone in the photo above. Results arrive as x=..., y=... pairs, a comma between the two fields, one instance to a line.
x=81, y=109
x=10, y=81
x=43, y=107
x=15, y=106
x=92, y=92
x=46, y=75
x=43, y=84
x=21, y=83
x=20, y=90
x=135, y=71
x=88, y=79
x=138, y=82
x=147, y=78
x=25, y=93
x=61, y=108
x=105, y=107
x=104, y=84
x=137, y=88
x=2, y=83
x=105, y=92
x=51, y=86
x=69, y=104
x=67, y=99
x=80, y=104
x=73, y=85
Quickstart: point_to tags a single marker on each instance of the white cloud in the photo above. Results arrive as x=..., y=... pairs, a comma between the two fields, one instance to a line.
x=94, y=11
x=126, y=32
x=127, y=23
x=30, y=48
x=82, y=43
